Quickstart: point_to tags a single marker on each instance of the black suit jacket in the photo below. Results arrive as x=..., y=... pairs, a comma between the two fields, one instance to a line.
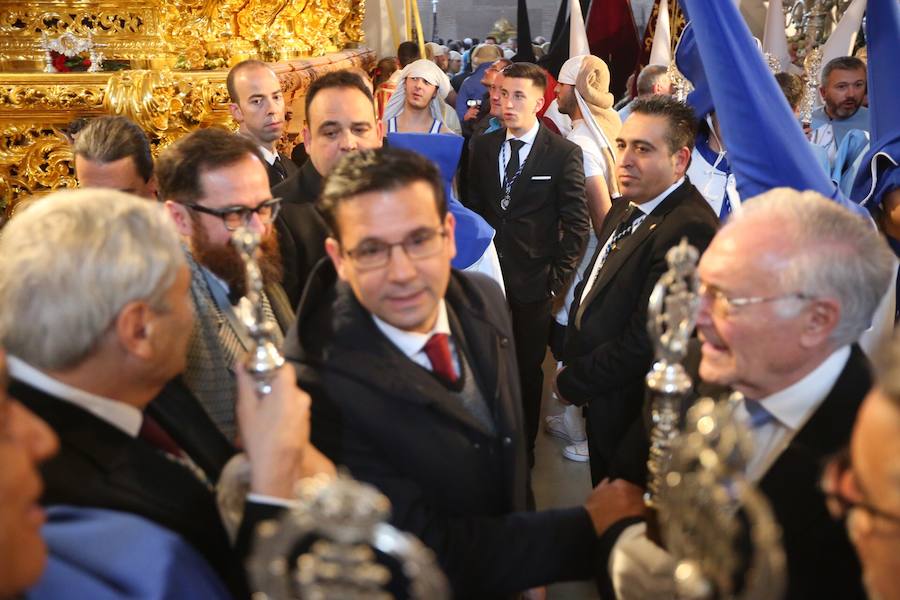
x=458, y=486
x=301, y=229
x=289, y=169
x=98, y=465
x=541, y=237
x=608, y=350
x=820, y=558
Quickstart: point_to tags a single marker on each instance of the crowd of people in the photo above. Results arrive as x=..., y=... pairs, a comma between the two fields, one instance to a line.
x=448, y=224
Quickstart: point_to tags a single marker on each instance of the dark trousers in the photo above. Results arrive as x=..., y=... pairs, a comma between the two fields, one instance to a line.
x=531, y=327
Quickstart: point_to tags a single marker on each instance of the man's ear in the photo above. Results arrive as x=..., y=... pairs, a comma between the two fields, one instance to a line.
x=450, y=228
x=307, y=137
x=682, y=160
x=180, y=216
x=539, y=105
x=236, y=113
x=824, y=316
x=333, y=249
x=153, y=187
x=133, y=328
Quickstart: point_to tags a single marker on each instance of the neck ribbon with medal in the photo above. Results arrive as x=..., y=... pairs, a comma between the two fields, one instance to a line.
x=507, y=185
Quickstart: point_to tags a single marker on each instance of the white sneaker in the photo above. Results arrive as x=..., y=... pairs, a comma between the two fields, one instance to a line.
x=577, y=452
x=555, y=425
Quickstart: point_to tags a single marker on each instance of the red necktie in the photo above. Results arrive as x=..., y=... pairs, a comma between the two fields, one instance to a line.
x=437, y=349
x=152, y=433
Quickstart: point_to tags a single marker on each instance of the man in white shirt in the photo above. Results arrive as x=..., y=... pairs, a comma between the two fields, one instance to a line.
x=97, y=318
x=786, y=290
x=608, y=351
x=257, y=106
x=413, y=376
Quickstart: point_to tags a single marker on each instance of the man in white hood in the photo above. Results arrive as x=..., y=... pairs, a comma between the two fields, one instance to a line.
x=417, y=106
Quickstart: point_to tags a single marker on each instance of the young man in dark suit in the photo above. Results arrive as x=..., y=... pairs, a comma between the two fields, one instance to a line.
x=607, y=350
x=785, y=292
x=96, y=320
x=257, y=106
x=528, y=184
x=414, y=384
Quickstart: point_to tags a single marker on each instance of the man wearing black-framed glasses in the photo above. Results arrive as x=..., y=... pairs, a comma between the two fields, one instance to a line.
x=412, y=371
x=213, y=182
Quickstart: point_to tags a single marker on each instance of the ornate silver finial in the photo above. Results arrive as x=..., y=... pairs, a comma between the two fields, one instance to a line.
x=672, y=313
x=264, y=358
x=681, y=87
x=335, y=533
x=811, y=66
x=704, y=492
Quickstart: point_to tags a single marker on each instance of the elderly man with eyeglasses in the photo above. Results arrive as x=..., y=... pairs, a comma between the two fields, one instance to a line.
x=786, y=290
x=413, y=376
x=213, y=182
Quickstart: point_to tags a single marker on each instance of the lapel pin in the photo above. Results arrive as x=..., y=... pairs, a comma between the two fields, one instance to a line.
x=652, y=226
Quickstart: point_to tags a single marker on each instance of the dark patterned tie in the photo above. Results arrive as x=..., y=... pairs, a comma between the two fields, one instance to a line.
x=437, y=349
x=513, y=165
x=623, y=230
x=279, y=168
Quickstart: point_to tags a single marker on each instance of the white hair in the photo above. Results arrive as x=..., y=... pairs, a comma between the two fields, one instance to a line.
x=834, y=253
x=71, y=262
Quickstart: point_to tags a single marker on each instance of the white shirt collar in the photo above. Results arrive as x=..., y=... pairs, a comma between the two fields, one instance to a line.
x=647, y=207
x=528, y=138
x=794, y=405
x=410, y=342
x=268, y=154
x=118, y=414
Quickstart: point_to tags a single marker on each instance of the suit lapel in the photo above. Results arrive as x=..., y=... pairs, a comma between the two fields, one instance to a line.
x=538, y=150
x=494, y=193
x=370, y=354
x=609, y=225
x=627, y=246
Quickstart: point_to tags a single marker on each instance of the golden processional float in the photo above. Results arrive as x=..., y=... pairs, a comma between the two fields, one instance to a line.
x=161, y=63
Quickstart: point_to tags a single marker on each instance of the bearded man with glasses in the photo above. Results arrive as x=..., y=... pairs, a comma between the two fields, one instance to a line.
x=213, y=182
x=412, y=371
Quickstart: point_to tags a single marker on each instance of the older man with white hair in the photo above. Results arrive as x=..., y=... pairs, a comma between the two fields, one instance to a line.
x=417, y=106
x=786, y=289
x=96, y=318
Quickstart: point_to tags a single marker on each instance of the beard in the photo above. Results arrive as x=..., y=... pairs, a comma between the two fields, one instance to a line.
x=844, y=111
x=226, y=263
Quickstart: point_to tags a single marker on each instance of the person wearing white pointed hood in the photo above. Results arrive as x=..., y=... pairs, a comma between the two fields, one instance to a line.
x=583, y=95
x=417, y=106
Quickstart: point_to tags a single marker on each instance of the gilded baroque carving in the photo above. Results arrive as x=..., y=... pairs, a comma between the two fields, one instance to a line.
x=36, y=107
x=33, y=158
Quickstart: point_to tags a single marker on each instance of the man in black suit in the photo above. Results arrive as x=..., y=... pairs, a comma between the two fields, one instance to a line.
x=340, y=118
x=96, y=321
x=257, y=106
x=528, y=184
x=415, y=389
x=786, y=290
x=607, y=350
